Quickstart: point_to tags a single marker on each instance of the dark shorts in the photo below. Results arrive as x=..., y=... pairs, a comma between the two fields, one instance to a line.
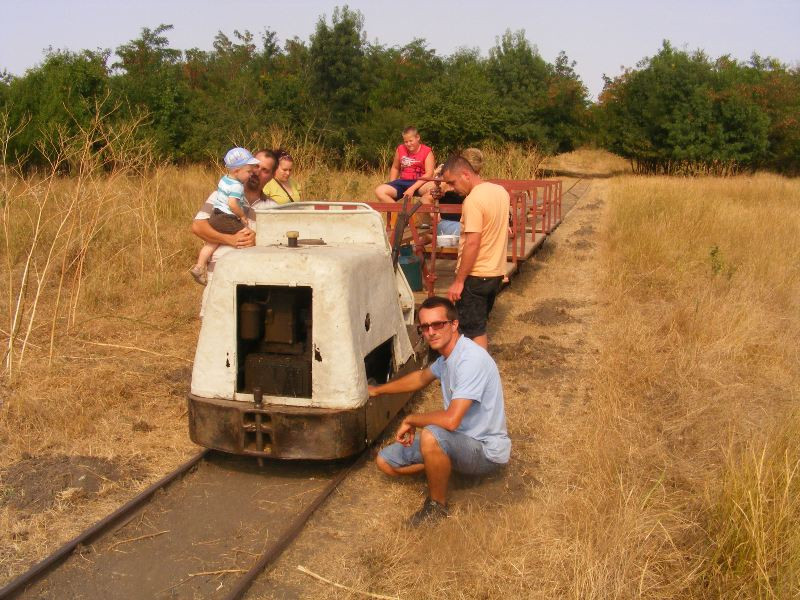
x=476, y=303
x=401, y=185
x=450, y=197
x=465, y=453
x=225, y=223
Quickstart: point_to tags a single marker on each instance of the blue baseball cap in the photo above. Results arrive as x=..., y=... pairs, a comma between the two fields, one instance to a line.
x=239, y=157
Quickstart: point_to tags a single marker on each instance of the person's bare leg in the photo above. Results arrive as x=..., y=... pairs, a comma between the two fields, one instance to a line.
x=205, y=254
x=385, y=193
x=437, y=467
x=200, y=270
x=425, y=197
x=395, y=471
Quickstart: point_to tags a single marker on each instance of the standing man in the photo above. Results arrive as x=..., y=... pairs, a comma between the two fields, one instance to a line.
x=482, y=247
x=245, y=237
x=412, y=160
x=469, y=435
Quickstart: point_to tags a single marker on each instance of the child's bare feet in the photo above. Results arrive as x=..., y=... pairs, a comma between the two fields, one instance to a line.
x=199, y=274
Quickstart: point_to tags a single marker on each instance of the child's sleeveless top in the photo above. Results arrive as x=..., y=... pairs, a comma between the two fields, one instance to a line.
x=412, y=166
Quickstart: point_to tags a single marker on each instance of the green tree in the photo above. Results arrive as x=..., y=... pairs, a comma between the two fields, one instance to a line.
x=397, y=78
x=288, y=100
x=227, y=96
x=61, y=94
x=565, y=109
x=150, y=77
x=679, y=110
x=519, y=75
x=5, y=82
x=776, y=89
x=337, y=61
x=461, y=108
x=543, y=103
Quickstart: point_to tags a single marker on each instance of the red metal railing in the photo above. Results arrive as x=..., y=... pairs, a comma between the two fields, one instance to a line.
x=535, y=206
x=545, y=201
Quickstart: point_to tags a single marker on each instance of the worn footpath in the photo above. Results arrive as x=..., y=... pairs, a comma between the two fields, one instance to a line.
x=541, y=335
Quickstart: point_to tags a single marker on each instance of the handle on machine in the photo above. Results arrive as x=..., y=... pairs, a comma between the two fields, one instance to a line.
x=403, y=218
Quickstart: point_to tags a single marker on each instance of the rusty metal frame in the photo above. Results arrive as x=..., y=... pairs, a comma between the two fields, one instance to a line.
x=518, y=208
x=288, y=432
x=427, y=260
x=558, y=192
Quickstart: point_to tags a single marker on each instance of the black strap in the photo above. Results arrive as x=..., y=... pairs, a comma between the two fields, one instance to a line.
x=284, y=190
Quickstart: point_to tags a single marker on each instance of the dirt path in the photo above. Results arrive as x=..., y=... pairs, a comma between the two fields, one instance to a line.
x=541, y=338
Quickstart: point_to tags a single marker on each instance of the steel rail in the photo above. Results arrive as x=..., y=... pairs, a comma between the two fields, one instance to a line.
x=272, y=553
x=573, y=185
x=39, y=570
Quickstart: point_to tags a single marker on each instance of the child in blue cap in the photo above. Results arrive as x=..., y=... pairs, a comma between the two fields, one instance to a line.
x=230, y=205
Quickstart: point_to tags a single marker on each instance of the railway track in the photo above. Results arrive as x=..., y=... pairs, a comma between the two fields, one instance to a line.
x=208, y=529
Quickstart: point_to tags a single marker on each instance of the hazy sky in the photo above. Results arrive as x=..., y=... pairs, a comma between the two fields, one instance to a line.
x=600, y=36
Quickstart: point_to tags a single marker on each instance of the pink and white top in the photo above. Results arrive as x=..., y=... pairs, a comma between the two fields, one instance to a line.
x=412, y=166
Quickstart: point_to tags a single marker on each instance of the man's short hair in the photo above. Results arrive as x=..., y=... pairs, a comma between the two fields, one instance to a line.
x=436, y=302
x=457, y=163
x=410, y=130
x=267, y=154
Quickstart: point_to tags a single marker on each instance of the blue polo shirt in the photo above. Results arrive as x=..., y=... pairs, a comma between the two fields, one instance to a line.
x=469, y=373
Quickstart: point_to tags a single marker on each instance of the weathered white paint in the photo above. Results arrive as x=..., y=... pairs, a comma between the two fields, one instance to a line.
x=351, y=275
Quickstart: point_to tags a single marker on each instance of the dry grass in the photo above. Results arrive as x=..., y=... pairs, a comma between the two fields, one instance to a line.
x=699, y=360
x=511, y=162
x=677, y=477
x=97, y=328
x=589, y=162
x=98, y=316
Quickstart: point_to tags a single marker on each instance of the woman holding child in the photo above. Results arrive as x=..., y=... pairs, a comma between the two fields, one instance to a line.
x=281, y=188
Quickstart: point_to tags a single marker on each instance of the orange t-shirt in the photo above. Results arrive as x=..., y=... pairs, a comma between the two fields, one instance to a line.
x=486, y=210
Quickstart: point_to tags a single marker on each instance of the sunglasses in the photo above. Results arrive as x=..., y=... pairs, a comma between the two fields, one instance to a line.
x=435, y=326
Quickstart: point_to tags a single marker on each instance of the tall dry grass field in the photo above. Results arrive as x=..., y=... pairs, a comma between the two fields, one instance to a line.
x=97, y=322
x=677, y=477
x=693, y=450
x=98, y=319
x=680, y=480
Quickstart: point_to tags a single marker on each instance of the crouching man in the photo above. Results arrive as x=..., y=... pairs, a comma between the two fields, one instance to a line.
x=469, y=434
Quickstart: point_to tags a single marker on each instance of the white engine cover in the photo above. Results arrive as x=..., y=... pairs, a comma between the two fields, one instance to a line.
x=351, y=276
